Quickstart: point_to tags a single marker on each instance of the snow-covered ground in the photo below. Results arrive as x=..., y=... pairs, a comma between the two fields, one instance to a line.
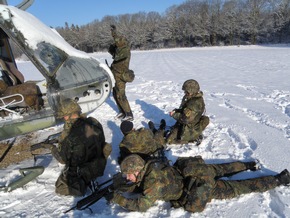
x=247, y=95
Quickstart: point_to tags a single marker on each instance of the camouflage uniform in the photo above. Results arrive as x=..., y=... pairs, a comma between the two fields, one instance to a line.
x=203, y=183
x=83, y=150
x=157, y=181
x=141, y=141
x=121, y=54
x=191, y=183
x=190, y=121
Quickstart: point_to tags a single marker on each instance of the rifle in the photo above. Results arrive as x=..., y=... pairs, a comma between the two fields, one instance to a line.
x=107, y=64
x=10, y=144
x=92, y=198
x=47, y=143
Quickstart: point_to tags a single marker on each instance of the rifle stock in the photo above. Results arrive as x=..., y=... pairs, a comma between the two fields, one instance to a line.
x=45, y=144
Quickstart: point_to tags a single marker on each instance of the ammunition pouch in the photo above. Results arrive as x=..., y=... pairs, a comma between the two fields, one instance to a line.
x=128, y=76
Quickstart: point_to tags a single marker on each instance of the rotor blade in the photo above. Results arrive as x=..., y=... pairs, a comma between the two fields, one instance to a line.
x=3, y=2
x=24, y=4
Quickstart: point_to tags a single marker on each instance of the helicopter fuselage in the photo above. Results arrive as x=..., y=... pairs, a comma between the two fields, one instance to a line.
x=67, y=73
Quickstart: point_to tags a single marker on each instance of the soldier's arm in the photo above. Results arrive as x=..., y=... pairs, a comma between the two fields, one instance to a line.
x=58, y=154
x=143, y=202
x=192, y=113
x=121, y=54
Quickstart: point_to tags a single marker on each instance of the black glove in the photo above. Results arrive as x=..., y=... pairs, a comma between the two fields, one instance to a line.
x=109, y=196
x=118, y=181
x=113, y=27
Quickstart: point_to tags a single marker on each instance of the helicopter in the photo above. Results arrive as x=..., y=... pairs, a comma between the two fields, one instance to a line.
x=28, y=106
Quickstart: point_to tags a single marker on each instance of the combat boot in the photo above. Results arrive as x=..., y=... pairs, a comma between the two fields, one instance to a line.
x=283, y=177
x=162, y=124
x=198, y=140
x=152, y=126
x=253, y=165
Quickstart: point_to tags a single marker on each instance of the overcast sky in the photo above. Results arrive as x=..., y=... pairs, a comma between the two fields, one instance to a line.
x=55, y=13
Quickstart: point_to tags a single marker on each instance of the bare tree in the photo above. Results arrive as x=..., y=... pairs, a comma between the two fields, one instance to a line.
x=192, y=23
x=254, y=18
x=281, y=18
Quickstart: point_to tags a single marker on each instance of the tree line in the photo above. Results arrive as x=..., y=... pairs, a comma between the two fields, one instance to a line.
x=192, y=23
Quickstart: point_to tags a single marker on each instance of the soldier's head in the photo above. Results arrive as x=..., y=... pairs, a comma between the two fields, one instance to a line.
x=126, y=126
x=68, y=109
x=191, y=87
x=131, y=166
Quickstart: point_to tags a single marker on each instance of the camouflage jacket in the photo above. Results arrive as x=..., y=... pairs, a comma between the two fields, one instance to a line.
x=121, y=55
x=190, y=110
x=141, y=141
x=83, y=149
x=157, y=181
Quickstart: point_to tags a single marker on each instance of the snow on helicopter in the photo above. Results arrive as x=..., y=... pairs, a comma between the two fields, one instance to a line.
x=68, y=73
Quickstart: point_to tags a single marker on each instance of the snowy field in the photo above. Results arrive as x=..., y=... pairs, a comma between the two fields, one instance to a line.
x=247, y=96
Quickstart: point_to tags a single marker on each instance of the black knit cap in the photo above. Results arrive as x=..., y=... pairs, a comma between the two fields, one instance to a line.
x=126, y=126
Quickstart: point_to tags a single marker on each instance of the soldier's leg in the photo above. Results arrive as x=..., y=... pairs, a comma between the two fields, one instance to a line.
x=230, y=189
x=122, y=98
x=190, y=134
x=171, y=138
x=159, y=137
x=229, y=169
x=115, y=95
x=204, y=121
x=214, y=171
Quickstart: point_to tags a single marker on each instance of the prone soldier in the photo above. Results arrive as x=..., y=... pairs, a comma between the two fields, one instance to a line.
x=190, y=183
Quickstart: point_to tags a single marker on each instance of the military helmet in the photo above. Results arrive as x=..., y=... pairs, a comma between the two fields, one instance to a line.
x=67, y=107
x=191, y=86
x=132, y=163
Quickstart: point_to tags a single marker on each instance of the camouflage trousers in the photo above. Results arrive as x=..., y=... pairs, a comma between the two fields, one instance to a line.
x=223, y=189
x=204, y=183
x=120, y=95
x=186, y=133
x=69, y=183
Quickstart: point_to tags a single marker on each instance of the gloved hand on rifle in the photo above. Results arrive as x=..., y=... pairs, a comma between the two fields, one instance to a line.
x=121, y=184
x=118, y=181
x=47, y=143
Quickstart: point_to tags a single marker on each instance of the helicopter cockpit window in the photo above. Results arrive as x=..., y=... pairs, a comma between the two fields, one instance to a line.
x=50, y=57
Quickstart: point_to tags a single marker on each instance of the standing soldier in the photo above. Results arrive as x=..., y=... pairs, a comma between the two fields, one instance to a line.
x=190, y=121
x=121, y=55
x=190, y=183
x=82, y=148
